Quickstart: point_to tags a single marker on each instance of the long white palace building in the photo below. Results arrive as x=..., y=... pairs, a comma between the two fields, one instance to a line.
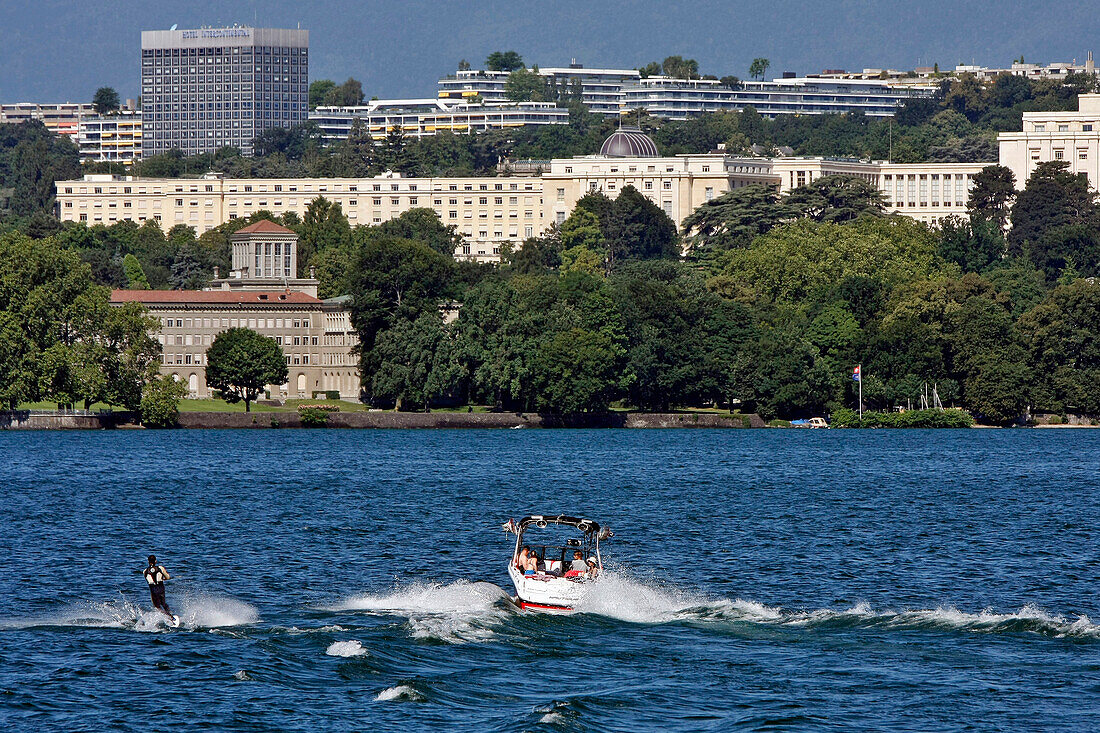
x=492, y=211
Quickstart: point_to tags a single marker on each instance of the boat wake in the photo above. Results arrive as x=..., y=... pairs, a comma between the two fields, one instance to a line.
x=619, y=597
x=195, y=612
x=453, y=613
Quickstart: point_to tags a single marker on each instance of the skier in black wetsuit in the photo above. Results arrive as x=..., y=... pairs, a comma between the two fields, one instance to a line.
x=155, y=575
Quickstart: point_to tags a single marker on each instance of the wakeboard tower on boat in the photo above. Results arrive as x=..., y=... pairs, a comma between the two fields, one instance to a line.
x=555, y=586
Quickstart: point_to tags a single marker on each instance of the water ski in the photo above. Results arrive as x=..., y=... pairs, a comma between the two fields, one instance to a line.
x=175, y=622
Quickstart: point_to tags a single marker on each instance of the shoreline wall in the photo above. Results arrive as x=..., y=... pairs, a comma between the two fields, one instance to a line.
x=36, y=420
x=41, y=420
x=458, y=420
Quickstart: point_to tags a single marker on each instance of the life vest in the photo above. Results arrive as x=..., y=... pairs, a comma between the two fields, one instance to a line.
x=154, y=575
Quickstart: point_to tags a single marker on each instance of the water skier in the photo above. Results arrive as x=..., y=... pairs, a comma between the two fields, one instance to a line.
x=155, y=575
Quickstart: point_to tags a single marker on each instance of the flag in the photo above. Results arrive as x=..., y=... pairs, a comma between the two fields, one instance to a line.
x=855, y=374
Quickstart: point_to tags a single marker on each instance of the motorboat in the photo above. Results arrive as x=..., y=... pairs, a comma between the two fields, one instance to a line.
x=556, y=585
x=812, y=423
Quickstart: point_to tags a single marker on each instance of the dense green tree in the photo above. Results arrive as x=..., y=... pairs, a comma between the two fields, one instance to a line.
x=106, y=268
x=504, y=61
x=241, y=362
x=666, y=311
x=105, y=100
x=319, y=89
x=135, y=276
x=528, y=86
x=1010, y=90
x=31, y=159
x=992, y=194
x=59, y=338
x=417, y=362
x=496, y=336
x=391, y=279
x=653, y=68
x=735, y=218
x=577, y=371
x=1062, y=339
x=680, y=68
x=325, y=92
x=323, y=227
x=836, y=198
x=1055, y=217
x=535, y=256
x=996, y=389
x=974, y=244
x=636, y=228
x=582, y=229
x=800, y=261
x=424, y=225
x=160, y=402
x=129, y=353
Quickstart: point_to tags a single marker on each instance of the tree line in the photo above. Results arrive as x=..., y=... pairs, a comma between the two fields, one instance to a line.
x=764, y=303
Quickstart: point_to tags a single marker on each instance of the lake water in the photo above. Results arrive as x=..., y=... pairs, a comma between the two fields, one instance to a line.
x=760, y=580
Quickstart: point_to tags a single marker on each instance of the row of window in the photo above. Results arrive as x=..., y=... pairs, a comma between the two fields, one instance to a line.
x=236, y=322
x=1062, y=127
x=241, y=51
x=200, y=359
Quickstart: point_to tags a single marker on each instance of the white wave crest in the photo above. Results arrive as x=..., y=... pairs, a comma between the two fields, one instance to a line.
x=194, y=611
x=213, y=612
x=400, y=693
x=350, y=648
x=620, y=597
x=454, y=613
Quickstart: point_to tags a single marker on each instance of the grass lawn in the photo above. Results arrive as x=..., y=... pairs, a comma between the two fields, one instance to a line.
x=187, y=405
x=290, y=406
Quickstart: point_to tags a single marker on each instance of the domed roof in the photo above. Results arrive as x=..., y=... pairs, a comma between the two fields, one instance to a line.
x=629, y=142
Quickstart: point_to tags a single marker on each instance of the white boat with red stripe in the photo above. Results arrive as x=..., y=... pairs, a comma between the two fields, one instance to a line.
x=556, y=560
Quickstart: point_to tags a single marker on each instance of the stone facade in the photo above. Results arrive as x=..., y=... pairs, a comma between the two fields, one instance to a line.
x=316, y=335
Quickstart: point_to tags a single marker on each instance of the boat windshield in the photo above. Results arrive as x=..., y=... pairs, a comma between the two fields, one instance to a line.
x=560, y=549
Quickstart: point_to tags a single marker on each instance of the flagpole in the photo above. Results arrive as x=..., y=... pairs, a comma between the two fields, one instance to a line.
x=861, y=393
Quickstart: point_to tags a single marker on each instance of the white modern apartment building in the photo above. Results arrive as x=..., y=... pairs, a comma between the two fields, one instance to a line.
x=1070, y=136
x=60, y=118
x=615, y=91
x=600, y=89
x=681, y=99
x=114, y=138
x=419, y=118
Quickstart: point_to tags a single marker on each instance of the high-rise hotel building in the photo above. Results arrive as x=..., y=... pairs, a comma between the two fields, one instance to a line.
x=210, y=88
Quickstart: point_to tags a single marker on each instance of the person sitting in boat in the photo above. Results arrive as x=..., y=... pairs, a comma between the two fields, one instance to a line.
x=593, y=569
x=578, y=566
x=532, y=565
x=521, y=562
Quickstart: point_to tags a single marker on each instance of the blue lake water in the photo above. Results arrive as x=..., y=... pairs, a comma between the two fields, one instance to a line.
x=760, y=580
